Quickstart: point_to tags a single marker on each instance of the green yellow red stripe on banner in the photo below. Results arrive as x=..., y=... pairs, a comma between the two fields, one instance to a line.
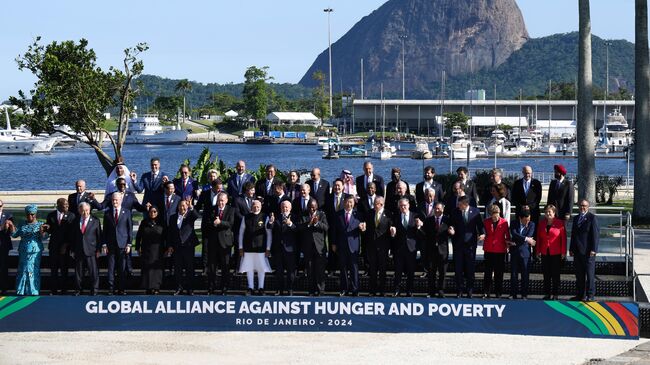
x=606, y=319
x=9, y=305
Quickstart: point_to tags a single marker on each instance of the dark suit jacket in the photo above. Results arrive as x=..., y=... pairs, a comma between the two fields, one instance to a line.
x=191, y=188
x=533, y=199
x=272, y=204
x=518, y=237
x=364, y=207
x=391, y=188
x=153, y=188
x=405, y=238
x=330, y=206
x=361, y=185
x=117, y=234
x=88, y=242
x=185, y=236
x=204, y=205
x=584, y=235
x=292, y=191
x=450, y=204
x=486, y=195
x=297, y=207
x=234, y=188
x=419, y=192
x=60, y=234
x=173, y=207
x=466, y=234
x=5, y=235
x=323, y=191
x=223, y=232
x=392, y=203
x=241, y=209
x=260, y=189
x=73, y=206
x=347, y=236
x=561, y=195
x=470, y=189
x=312, y=237
x=129, y=202
x=285, y=238
x=436, y=238
x=377, y=235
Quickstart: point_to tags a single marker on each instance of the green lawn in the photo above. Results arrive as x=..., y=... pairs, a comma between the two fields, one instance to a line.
x=193, y=128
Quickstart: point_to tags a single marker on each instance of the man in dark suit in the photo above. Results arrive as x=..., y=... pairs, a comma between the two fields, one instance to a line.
x=129, y=200
x=300, y=205
x=151, y=183
x=364, y=206
x=81, y=195
x=219, y=231
x=452, y=199
x=527, y=192
x=560, y=193
x=435, y=231
x=428, y=183
x=468, y=185
x=395, y=177
x=377, y=242
x=334, y=204
x=496, y=177
x=118, y=228
x=404, y=233
x=185, y=186
x=5, y=247
x=347, y=227
x=319, y=188
x=585, y=234
x=87, y=236
x=284, y=248
x=243, y=205
x=170, y=202
x=273, y=202
x=206, y=204
x=181, y=240
x=522, y=234
x=264, y=188
x=312, y=228
x=59, y=225
x=237, y=181
x=399, y=194
x=466, y=230
x=368, y=177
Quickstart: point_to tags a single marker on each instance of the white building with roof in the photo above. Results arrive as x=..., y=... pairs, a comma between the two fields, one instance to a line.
x=293, y=118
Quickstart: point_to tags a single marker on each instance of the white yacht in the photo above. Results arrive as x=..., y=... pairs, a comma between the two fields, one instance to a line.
x=43, y=142
x=459, y=149
x=324, y=143
x=147, y=130
x=615, y=134
x=498, y=135
x=13, y=141
x=457, y=133
x=422, y=151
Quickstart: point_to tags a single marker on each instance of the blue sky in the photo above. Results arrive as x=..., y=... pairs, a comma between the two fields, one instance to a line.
x=215, y=41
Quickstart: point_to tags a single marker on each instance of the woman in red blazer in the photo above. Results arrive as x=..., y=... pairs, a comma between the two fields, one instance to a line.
x=551, y=246
x=494, y=247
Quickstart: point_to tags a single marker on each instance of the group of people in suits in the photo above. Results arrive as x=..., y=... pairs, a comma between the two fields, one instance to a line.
x=270, y=225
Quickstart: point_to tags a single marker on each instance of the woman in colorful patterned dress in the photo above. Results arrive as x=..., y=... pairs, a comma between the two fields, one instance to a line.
x=30, y=248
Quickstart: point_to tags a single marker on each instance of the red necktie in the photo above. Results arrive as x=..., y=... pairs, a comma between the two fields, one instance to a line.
x=347, y=218
x=83, y=226
x=184, y=185
x=221, y=214
x=169, y=202
x=116, y=216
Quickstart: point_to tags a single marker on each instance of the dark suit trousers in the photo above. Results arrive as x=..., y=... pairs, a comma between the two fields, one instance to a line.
x=464, y=265
x=82, y=261
x=218, y=257
x=59, y=269
x=551, y=265
x=4, y=270
x=404, y=264
x=585, y=266
x=378, y=261
x=349, y=263
x=494, y=263
x=437, y=265
x=315, y=267
x=284, y=264
x=184, y=267
x=519, y=265
x=117, y=262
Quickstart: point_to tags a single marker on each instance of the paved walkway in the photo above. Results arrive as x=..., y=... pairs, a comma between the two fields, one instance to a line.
x=642, y=263
x=639, y=355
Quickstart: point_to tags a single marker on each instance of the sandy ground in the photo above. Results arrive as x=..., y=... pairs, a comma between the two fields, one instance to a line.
x=299, y=348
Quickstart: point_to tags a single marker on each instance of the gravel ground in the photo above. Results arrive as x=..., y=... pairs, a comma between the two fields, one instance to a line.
x=299, y=348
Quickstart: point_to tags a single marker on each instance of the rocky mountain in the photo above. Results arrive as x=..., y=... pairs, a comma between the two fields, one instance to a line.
x=457, y=36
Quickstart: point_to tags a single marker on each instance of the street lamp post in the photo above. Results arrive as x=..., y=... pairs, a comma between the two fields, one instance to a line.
x=402, y=38
x=329, y=42
x=607, y=44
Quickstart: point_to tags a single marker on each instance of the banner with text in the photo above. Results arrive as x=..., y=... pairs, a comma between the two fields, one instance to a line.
x=168, y=313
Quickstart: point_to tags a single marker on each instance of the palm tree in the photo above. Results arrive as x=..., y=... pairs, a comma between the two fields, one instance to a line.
x=585, y=128
x=641, y=212
x=183, y=86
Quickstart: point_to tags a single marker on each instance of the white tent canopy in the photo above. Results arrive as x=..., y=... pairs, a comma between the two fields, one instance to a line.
x=293, y=118
x=231, y=114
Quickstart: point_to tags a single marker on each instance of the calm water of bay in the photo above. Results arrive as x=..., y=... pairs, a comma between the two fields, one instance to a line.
x=60, y=169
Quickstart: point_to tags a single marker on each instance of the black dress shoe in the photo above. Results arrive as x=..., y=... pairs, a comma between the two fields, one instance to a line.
x=512, y=297
x=354, y=294
x=458, y=296
x=590, y=299
x=555, y=297
x=547, y=297
x=93, y=293
x=249, y=292
x=189, y=292
x=224, y=291
x=441, y=294
x=468, y=295
x=261, y=292
x=409, y=294
x=178, y=292
x=110, y=292
x=576, y=298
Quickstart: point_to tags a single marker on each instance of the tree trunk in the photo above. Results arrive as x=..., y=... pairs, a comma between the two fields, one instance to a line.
x=641, y=211
x=585, y=127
